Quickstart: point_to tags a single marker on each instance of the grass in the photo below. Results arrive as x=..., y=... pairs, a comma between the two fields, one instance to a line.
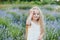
x=51, y=34
x=12, y=31
x=50, y=17
x=48, y=7
x=15, y=15
x=4, y=22
x=58, y=9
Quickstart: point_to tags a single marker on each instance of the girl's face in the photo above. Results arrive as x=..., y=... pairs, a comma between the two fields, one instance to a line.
x=35, y=15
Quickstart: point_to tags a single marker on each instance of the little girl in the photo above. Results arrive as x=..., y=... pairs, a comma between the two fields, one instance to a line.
x=35, y=25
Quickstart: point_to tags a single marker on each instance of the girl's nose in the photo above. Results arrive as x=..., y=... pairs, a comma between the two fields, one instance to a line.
x=36, y=14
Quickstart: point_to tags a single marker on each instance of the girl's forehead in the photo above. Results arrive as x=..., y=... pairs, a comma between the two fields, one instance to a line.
x=35, y=11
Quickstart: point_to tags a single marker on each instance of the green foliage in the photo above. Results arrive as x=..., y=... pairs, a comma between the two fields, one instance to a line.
x=58, y=9
x=50, y=17
x=14, y=31
x=51, y=34
x=47, y=1
x=24, y=17
x=49, y=8
x=15, y=15
x=25, y=7
x=58, y=17
x=30, y=1
x=4, y=22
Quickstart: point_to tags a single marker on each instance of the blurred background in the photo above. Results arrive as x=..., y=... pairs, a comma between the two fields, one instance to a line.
x=13, y=15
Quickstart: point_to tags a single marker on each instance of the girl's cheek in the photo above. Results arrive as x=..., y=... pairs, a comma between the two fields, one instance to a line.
x=38, y=15
x=33, y=15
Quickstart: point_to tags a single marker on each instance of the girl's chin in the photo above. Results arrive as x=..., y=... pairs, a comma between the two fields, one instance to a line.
x=35, y=19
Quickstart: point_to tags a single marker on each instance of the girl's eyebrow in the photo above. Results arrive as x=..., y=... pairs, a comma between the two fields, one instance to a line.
x=34, y=11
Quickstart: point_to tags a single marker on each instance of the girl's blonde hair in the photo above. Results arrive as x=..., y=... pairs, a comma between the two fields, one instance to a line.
x=41, y=19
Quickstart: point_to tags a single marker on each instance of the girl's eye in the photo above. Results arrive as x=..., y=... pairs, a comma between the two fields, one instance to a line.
x=37, y=13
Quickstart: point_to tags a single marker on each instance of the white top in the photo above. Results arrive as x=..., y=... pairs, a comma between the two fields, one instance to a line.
x=33, y=31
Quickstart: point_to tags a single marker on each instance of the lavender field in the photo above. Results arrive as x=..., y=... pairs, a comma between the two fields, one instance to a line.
x=13, y=19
